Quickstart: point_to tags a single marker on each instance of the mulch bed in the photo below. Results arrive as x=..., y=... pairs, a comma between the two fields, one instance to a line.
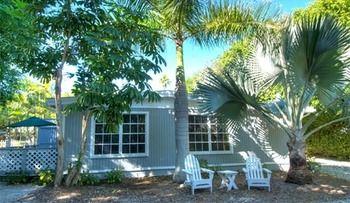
x=161, y=189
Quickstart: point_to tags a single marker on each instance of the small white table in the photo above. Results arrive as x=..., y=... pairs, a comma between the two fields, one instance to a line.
x=228, y=179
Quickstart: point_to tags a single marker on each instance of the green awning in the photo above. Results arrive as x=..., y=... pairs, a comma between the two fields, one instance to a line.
x=32, y=122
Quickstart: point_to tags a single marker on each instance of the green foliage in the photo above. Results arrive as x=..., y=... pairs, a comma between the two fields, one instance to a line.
x=29, y=101
x=339, y=9
x=18, y=177
x=87, y=178
x=46, y=177
x=313, y=166
x=203, y=163
x=115, y=176
x=16, y=45
x=332, y=141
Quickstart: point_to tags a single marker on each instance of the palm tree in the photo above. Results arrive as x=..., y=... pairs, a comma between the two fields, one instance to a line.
x=206, y=22
x=311, y=61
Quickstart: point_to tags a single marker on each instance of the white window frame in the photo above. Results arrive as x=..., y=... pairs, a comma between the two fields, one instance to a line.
x=210, y=151
x=120, y=132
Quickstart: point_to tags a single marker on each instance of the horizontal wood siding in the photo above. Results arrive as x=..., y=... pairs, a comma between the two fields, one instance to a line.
x=267, y=142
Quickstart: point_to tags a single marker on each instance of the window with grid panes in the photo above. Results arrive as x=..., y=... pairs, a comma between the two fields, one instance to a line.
x=130, y=139
x=206, y=134
x=106, y=141
x=134, y=133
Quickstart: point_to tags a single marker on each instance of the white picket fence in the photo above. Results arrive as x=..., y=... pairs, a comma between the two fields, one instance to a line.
x=30, y=160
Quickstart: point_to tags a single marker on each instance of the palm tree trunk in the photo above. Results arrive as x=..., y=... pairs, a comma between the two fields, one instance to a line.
x=298, y=171
x=181, y=115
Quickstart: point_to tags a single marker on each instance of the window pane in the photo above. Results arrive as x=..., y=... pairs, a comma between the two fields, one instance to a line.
x=141, y=138
x=204, y=128
x=141, y=148
x=133, y=118
x=214, y=147
x=106, y=138
x=192, y=147
x=227, y=146
x=226, y=137
x=98, y=128
x=191, y=119
x=192, y=137
x=126, y=128
x=220, y=146
x=133, y=138
x=220, y=137
x=142, y=119
x=134, y=128
x=191, y=128
x=106, y=149
x=98, y=139
x=115, y=149
x=115, y=138
x=126, y=148
x=126, y=138
x=199, y=147
x=126, y=118
x=198, y=119
x=198, y=137
x=98, y=149
x=205, y=137
x=133, y=148
x=141, y=128
x=205, y=147
x=214, y=137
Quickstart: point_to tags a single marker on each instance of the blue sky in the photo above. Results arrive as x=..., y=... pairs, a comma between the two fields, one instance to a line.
x=197, y=58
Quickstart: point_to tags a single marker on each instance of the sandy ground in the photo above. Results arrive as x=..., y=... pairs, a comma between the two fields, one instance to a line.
x=161, y=189
x=10, y=193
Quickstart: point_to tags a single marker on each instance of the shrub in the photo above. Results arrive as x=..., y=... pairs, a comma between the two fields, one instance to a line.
x=313, y=166
x=87, y=178
x=204, y=164
x=115, y=176
x=18, y=177
x=331, y=142
x=46, y=177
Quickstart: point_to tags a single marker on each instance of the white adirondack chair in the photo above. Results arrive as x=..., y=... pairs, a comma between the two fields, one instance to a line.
x=194, y=176
x=254, y=173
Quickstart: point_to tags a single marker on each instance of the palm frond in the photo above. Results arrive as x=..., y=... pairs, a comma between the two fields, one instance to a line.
x=226, y=20
x=314, y=50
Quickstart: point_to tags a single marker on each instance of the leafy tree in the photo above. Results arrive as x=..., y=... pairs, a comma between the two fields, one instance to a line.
x=339, y=9
x=310, y=62
x=129, y=57
x=207, y=23
x=15, y=33
x=165, y=81
x=30, y=100
x=63, y=29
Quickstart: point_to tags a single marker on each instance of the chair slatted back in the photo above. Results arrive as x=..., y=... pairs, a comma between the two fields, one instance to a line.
x=254, y=168
x=192, y=165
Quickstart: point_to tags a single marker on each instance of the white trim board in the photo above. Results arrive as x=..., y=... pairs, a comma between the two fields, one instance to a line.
x=173, y=167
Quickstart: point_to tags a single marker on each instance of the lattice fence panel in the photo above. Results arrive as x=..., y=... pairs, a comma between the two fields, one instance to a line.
x=11, y=160
x=39, y=159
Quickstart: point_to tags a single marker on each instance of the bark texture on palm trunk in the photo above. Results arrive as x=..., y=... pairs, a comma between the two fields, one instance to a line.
x=298, y=171
x=181, y=115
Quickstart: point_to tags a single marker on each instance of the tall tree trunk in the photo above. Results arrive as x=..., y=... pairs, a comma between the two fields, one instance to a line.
x=74, y=173
x=181, y=115
x=298, y=172
x=59, y=115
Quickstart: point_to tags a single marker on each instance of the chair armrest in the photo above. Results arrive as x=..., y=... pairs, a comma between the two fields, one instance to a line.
x=268, y=172
x=211, y=173
x=244, y=170
x=207, y=170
